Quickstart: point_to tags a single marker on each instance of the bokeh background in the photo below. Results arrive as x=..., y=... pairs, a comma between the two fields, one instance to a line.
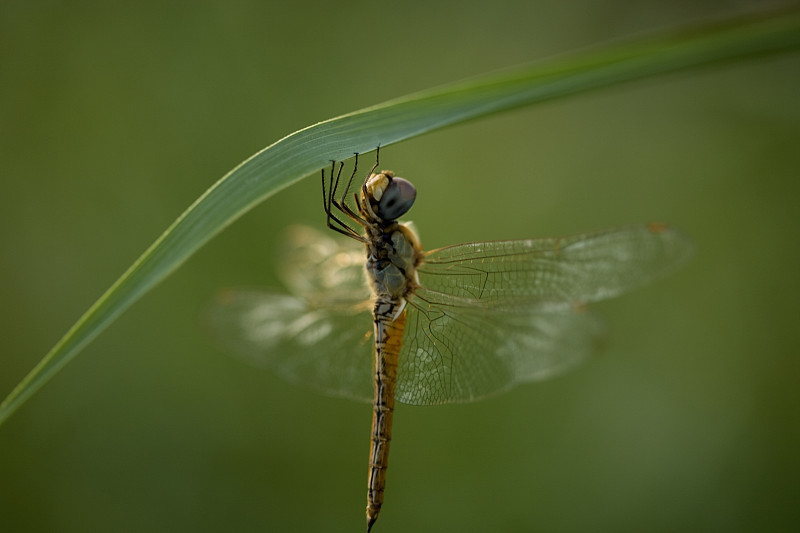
x=114, y=117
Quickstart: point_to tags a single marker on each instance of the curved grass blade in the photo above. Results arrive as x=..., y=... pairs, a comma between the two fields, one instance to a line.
x=311, y=148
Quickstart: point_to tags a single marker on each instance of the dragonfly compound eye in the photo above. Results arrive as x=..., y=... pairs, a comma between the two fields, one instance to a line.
x=396, y=200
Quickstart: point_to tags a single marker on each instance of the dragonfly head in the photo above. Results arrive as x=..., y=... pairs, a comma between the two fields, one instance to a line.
x=387, y=197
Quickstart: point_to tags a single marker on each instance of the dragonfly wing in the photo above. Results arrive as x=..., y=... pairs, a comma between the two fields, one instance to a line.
x=579, y=268
x=325, y=348
x=320, y=335
x=458, y=350
x=316, y=266
x=489, y=315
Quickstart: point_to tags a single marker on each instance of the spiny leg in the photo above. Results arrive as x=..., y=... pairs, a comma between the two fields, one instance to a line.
x=377, y=159
x=333, y=184
x=350, y=181
x=328, y=203
x=342, y=204
x=327, y=195
x=372, y=170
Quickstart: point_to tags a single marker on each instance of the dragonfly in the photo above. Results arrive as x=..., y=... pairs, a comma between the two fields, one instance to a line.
x=375, y=318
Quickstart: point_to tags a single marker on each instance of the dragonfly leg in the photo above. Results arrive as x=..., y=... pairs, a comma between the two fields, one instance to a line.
x=329, y=203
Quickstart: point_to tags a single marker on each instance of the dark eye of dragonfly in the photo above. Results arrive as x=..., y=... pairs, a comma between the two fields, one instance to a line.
x=396, y=200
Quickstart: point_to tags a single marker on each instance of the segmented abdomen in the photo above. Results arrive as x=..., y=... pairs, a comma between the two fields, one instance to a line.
x=388, y=339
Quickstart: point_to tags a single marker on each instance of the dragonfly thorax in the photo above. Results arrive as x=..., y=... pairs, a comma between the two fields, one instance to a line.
x=393, y=254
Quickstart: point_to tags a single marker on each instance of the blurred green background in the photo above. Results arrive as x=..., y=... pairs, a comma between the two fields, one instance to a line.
x=115, y=117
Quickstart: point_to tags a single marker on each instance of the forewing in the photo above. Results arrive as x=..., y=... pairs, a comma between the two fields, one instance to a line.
x=578, y=268
x=319, y=268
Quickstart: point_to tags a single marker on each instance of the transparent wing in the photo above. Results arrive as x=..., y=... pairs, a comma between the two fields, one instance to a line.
x=493, y=314
x=457, y=350
x=318, y=336
x=321, y=269
x=325, y=348
x=578, y=268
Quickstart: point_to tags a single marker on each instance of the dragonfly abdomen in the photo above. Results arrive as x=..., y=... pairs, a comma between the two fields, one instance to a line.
x=389, y=327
